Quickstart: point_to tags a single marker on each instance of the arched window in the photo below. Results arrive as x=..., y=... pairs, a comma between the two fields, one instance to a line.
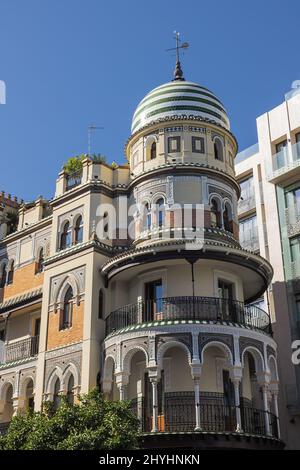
x=65, y=238
x=227, y=218
x=78, y=230
x=160, y=212
x=70, y=391
x=56, y=395
x=153, y=151
x=30, y=396
x=10, y=274
x=105, y=225
x=218, y=149
x=66, y=319
x=3, y=276
x=147, y=219
x=40, y=263
x=101, y=305
x=215, y=215
x=98, y=382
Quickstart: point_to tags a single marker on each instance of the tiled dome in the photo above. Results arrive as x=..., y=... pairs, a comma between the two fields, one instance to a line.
x=179, y=97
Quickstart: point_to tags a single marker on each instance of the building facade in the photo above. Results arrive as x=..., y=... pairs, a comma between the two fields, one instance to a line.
x=132, y=278
x=269, y=175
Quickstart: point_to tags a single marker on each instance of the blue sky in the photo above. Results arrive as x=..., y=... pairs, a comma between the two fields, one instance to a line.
x=70, y=63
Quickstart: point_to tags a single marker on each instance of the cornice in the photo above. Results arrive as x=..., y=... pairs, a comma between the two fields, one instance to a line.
x=26, y=231
x=21, y=300
x=189, y=326
x=98, y=186
x=75, y=249
x=185, y=168
x=183, y=117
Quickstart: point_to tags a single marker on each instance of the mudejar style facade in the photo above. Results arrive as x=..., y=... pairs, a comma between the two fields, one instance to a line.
x=132, y=278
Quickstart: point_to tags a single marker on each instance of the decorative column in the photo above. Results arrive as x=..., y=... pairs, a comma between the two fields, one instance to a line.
x=122, y=379
x=154, y=382
x=2, y=407
x=236, y=384
x=122, y=389
x=15, y=404
x=236, y=374
x=264, y=387
x=197, y=404
x=196, y=373
x=274, y=393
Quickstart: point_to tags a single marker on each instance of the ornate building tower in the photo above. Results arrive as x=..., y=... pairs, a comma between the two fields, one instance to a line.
x=164, y=296
x=184, y=340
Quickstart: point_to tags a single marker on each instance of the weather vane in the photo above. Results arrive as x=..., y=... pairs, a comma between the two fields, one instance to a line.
x=178, y=74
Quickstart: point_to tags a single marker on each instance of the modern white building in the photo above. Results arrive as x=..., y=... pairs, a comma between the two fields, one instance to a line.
x=269, y=215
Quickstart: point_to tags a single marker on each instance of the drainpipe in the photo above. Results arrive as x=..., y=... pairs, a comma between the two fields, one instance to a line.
x=269, y=316
x=192, y=261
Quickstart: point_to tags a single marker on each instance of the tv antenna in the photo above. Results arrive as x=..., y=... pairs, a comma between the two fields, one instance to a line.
x=92, y=128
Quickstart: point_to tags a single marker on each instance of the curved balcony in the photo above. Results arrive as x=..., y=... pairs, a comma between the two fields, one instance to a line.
x=216, y=415
x=203, y=309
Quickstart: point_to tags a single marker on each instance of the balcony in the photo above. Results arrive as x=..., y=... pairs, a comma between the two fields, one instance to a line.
x=251, y=241
x=285, y=164
x=73, y=180
x=247, y=204
x=19, y=350
x=203, y=309
x=292, y=219
x=178, y=414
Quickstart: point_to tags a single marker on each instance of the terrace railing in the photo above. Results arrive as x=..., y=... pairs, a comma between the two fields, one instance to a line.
x=188, y=308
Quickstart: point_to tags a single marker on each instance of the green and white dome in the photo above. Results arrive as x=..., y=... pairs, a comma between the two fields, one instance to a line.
x=178, y=98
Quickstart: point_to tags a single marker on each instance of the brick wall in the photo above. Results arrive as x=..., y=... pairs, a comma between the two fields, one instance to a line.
x=57, y=337
x=25, y=279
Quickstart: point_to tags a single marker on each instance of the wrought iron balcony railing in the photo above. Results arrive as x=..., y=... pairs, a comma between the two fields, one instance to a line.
x=284, y=161
x=189, y=308
x=251, y=242
x=292, y=219
x=20, y=349
x=73, y=179
x=246, y=204
x=178, y=414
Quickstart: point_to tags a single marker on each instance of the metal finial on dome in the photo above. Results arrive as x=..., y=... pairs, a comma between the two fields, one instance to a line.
x=178, y=73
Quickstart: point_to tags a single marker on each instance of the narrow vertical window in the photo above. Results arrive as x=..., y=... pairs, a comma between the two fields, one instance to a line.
x=10, y=275
x=66, y=320
x=56, y=395
x=227, y=218
x=65, y=238
x=160, y=214
x=101, y=305
x=40, y=264
x=3, y=276
x=215, y=215
x=105, y=225
x=147, y=219
x=218, y=149
x=78, y=230
x=70, y=391
x=153, y=151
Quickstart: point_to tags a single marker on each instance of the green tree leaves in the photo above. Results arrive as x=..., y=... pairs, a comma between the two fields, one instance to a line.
x=93, y=423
